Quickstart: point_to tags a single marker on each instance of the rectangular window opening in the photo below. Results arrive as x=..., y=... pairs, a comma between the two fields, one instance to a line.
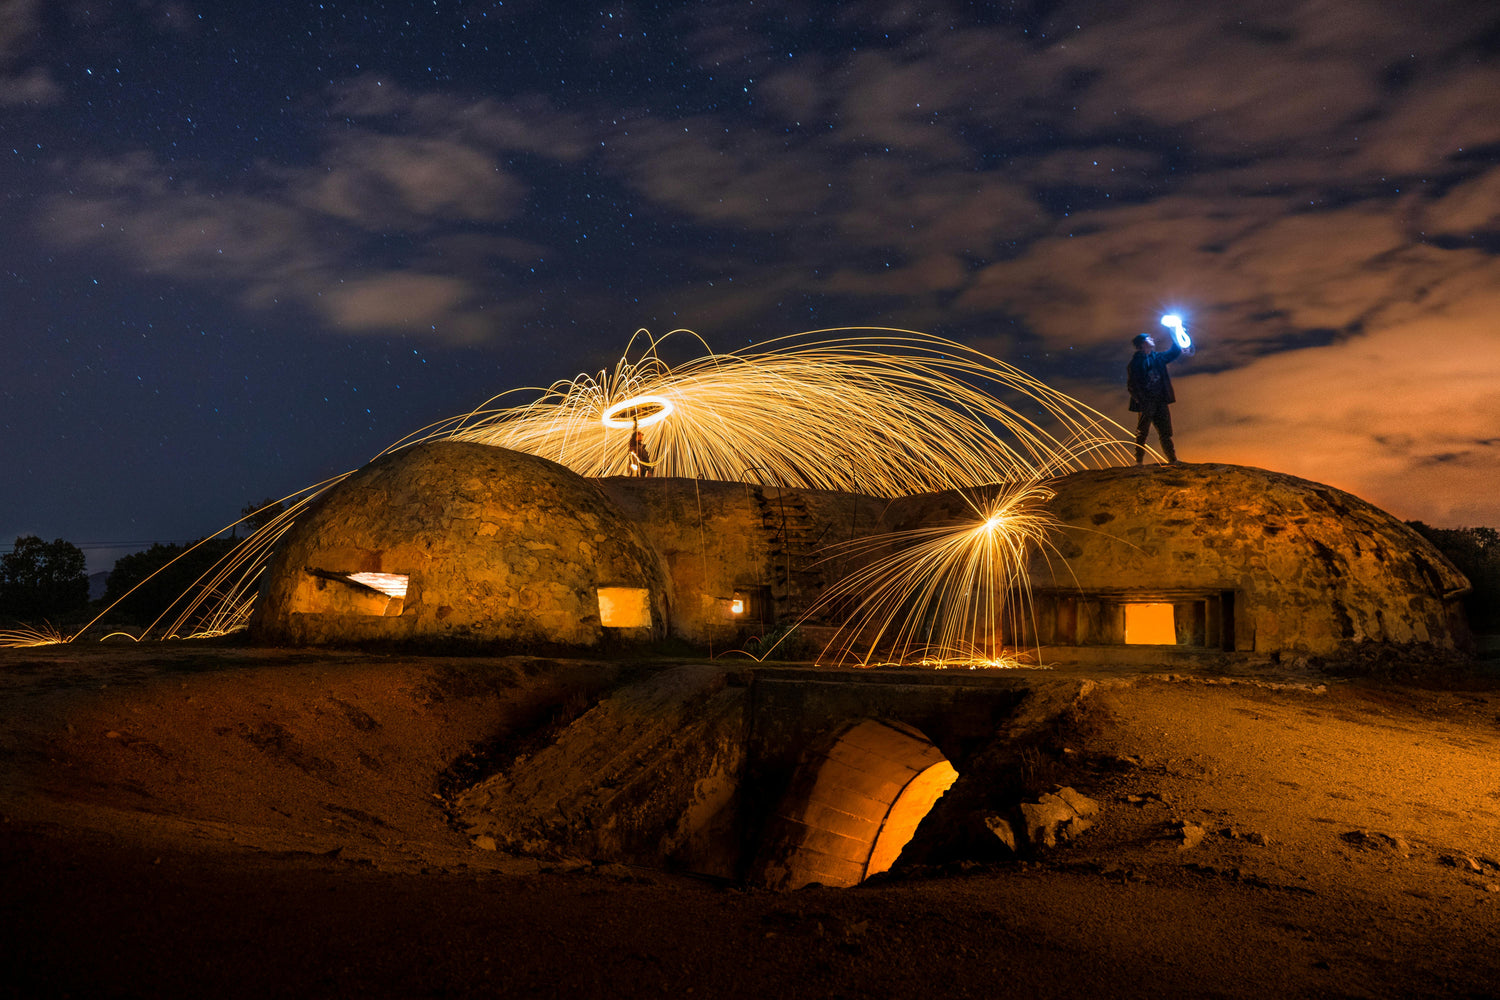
x=389, y=584
x=1150, y=625
x=344, y=593
x=625, y=607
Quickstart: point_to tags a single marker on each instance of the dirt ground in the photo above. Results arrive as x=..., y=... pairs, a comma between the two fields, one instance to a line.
x=211, y=819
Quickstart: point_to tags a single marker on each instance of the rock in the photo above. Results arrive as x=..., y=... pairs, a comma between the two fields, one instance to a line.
x=1247, y=836
x=1060, y=814
x=1080, y=803
x=1002, y=829
x=1374, y=841
x=485, y=842
x=1462, y=861
x=1191, y=833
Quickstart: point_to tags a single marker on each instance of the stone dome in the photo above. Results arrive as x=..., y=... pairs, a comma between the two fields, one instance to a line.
x=466, y=542
x=1253, y=560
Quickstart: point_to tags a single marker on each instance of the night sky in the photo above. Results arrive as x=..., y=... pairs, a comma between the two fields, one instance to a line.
x=248, y=246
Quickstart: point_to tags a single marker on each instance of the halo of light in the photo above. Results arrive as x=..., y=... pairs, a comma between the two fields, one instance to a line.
x=663, y=410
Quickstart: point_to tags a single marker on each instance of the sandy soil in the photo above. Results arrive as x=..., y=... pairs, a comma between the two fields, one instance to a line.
x=215, y=820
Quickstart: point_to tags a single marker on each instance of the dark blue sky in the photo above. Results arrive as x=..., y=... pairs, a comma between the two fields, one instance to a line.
x=247, y=249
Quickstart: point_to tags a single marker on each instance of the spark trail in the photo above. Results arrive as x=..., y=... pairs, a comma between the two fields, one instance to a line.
x=877, y=411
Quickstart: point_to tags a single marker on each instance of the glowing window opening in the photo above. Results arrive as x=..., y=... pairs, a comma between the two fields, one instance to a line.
x=389, y=584
x=625, y=607
x=642, y=411
x=1150, y=625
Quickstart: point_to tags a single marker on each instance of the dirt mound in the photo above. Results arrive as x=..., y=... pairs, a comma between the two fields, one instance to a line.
x=280, y=750
x=182, y=812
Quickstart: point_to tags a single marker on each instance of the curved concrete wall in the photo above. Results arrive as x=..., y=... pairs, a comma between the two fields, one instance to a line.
x=505, y=547
x=495, y=545
x=1310, y=568
x=853, y=807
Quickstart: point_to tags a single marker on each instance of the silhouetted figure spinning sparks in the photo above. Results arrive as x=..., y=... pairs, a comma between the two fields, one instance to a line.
x=1151, y=394
x=640, y=458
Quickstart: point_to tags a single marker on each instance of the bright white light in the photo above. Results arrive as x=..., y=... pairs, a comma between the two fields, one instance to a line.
x=659, y=408
x=1174, y=322
x=390, y=584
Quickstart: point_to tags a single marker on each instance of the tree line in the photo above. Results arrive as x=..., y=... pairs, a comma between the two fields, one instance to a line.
x=48, y=581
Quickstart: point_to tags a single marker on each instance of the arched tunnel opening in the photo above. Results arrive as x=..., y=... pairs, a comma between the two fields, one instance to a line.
x=778, y=778
x=854, y=805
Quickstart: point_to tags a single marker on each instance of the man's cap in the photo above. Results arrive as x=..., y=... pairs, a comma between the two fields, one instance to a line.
x=1140, y=339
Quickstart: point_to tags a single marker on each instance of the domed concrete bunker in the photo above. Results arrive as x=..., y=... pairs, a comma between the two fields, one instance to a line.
x=466, y=542
x=1225, y=557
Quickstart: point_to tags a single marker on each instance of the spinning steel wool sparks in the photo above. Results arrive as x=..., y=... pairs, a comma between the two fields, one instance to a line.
x=884, y=413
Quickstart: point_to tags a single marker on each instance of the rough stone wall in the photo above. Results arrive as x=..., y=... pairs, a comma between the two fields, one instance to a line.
x=1314, y=569
x=510, y=548
x=709, y=538
x=648, y=775
x=498, y=546
x=715, y=542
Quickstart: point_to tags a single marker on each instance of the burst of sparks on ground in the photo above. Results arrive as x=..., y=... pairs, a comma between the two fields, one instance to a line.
x=943, y=595
x=25, y=638
x=880, y=412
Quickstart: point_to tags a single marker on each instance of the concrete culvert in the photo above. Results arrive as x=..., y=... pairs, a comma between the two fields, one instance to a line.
x=852, y=807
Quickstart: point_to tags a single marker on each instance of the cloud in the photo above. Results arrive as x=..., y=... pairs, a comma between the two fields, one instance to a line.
x=136, y=208
x=379, y=182
x=526, y=123
x=1248, y=270
x=900, y=104
x=22, y=84
x=1404, y=417
x=1080, y=171
x=319, y=236
x=281, y=247
x=895, y=205
x=717, y=177
x=402, y=300
x=1467, y=209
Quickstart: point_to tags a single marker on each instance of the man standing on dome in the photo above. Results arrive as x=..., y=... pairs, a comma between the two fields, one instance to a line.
x=1151, y=394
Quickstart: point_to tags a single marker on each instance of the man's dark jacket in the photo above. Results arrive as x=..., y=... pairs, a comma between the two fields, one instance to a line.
x=1147, y=379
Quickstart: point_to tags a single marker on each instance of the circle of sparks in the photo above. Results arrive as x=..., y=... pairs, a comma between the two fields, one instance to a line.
x=658, y=409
